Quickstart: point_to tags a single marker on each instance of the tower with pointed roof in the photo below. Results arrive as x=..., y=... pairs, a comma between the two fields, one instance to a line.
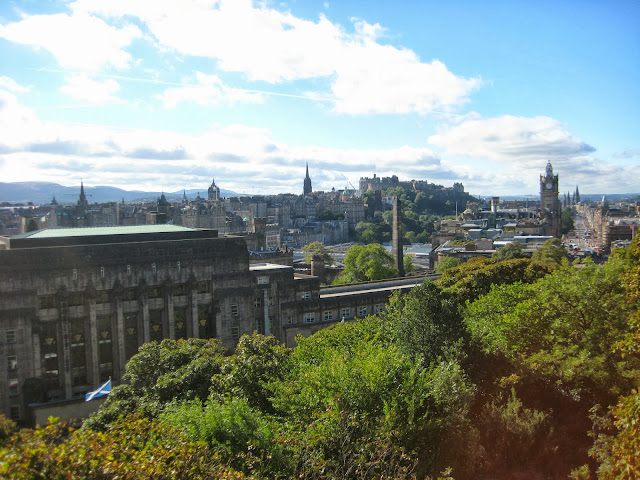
x=307, y=183
x=550, y=205
x=83, y=204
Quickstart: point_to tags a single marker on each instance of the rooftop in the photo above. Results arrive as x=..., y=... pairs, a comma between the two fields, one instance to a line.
x=97, y=231
x=58, y=237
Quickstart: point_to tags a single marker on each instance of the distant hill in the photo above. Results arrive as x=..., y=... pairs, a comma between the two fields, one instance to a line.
x=43, y=192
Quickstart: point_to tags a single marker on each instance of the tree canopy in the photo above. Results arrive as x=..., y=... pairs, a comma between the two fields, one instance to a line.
x=317, y=249
x=498, y=370
x=364, y=263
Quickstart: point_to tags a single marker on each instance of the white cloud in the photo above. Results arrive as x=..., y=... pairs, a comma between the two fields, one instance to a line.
x=209, y=90
x=247, y=159
x=511, y=139
x=268, y=45
x=81, y=87
x=78, y=41
x=17, y=122
x=11, y=85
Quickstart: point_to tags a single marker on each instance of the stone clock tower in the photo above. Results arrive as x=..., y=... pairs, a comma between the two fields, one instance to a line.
x=550, y=206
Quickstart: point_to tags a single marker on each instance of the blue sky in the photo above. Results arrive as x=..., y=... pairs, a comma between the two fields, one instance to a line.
x=163, y=94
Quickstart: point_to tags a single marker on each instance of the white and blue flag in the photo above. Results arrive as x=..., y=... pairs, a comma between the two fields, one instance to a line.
x=100, y=392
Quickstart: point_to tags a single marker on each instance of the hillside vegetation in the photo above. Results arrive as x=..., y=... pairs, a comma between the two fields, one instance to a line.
x=505, y=369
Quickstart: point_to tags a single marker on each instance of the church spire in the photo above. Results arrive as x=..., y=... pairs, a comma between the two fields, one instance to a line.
x=82, y=201
x=307, y=183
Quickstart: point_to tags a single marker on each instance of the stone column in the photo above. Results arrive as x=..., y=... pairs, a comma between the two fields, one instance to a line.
x=193, y=325
x=37, y=359
x=168, y=327
x=119, y=356
x=91, y=344
x=267, y=322
x=145, y=330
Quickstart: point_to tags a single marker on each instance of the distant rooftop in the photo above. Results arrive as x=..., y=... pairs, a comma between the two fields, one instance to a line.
x=97, y=231
x=57, y=237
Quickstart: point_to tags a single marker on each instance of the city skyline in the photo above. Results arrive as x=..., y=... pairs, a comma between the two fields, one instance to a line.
x=166, y=95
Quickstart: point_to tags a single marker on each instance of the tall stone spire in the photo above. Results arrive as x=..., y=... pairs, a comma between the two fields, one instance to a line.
x=83, y=204
x=307, y=183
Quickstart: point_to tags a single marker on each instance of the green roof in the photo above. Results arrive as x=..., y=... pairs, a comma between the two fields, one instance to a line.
x=98, y=231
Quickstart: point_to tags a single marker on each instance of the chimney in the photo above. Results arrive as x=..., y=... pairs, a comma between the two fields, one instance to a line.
x=396, y=237
x=317, y=267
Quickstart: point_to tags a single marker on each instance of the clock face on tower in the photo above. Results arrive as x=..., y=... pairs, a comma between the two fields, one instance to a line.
x=549, y=185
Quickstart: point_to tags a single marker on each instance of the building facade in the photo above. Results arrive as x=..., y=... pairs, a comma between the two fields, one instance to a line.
x=76, y=304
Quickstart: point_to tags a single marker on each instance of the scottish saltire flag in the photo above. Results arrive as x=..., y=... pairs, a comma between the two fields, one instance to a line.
x=100, y=392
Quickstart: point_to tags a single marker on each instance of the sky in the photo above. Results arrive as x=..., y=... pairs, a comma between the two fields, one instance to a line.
x=170, y=94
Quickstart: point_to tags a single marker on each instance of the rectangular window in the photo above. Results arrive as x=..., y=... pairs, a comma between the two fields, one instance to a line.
x=11, y=336
x=259, y=325
x=234, y=309
x=345, y=312
x=128, y=270
x=378, y=308
x=257, y=303
x=309, y=317
x=362, y=311
x=178, y=266
x=101, y=272
x=306, y=295
x=263, y=280
x=235, y=332
x=153, y=268
x=328, y=315
x=289, y=319
x=75, y=274
x=14, y=412
x=12, y=362
x=271, y=301
x=14, y=389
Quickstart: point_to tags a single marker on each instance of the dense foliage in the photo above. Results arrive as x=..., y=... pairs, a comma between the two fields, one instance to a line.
x=363, y=263
x=317, y=249
x=504, y=369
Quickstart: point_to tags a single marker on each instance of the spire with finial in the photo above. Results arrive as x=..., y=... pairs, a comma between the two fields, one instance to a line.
x=83, y=204
x=307, y=183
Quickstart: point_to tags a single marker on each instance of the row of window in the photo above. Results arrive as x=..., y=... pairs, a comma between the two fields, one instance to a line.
x=345, y=314
x=129, y=272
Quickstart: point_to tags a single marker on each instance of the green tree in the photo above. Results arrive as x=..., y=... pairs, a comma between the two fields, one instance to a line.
x=132, y=448
x=552, y=251
x=446, y=263
x=567, y=220
x=508, y=252
x=565, y=326
x=475, y=277
x=407, y=264
x=426, y=322
x=257, y=363
x=317, y=249
x=159, y=374
x=364, y=263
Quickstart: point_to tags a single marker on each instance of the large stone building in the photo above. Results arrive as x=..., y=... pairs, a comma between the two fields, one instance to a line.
x=75, y=304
